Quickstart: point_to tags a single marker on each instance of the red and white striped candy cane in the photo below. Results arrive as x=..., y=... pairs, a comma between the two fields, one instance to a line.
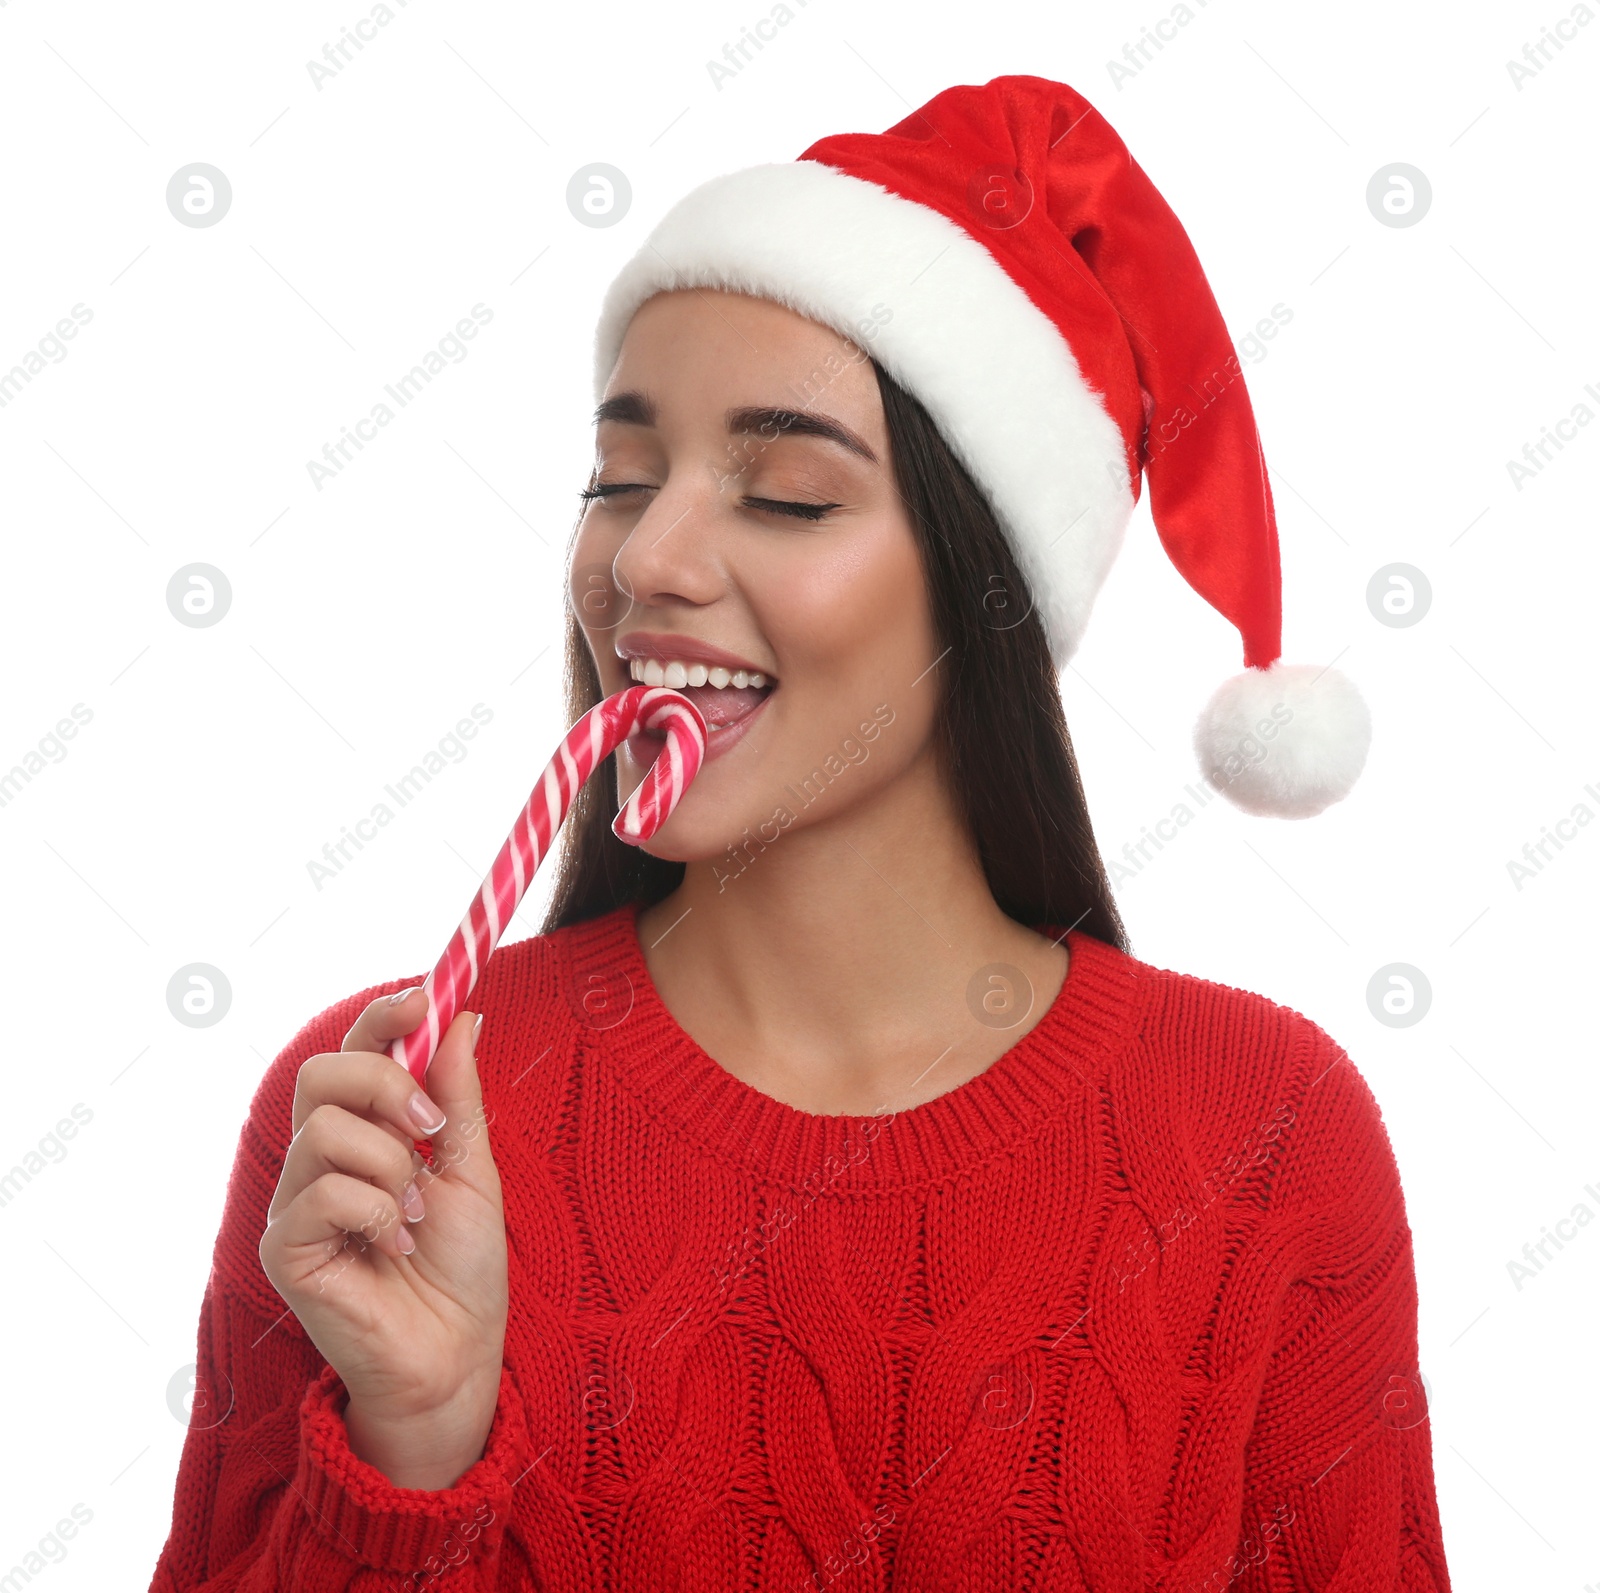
x=595, y=736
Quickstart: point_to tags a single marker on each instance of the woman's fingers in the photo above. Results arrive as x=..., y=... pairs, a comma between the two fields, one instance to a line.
x=386, y=1018
x=337, y=1215
x=358, y=1113
x=369, y=1083
x=334, y=1140
x=461, y=1147
x=350, y=1189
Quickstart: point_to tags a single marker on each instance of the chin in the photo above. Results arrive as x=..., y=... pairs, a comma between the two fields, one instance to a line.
x=727, y=829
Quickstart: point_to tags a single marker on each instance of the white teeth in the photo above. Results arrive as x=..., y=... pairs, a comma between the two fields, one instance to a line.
x=676, y=673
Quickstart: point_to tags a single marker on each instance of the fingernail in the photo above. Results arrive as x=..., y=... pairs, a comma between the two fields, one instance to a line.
x=399, y=996
x=475, y=1029
x=425, y=1114
x=411, y=1202
x=404, y=1240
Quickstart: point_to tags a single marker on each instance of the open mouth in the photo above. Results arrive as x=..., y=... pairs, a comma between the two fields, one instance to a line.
x=725, y=698
x=723, y=707
x=729, y=701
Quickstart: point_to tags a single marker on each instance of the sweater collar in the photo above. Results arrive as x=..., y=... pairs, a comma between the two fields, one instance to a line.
x=628, y=1032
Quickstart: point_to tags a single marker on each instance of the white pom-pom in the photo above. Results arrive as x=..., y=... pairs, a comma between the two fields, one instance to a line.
x=1285, y=741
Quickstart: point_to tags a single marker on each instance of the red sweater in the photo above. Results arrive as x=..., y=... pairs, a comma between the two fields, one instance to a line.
x=1135, y=1308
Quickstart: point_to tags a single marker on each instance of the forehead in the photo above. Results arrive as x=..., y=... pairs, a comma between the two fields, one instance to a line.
x=702, y=355
x=722, y=314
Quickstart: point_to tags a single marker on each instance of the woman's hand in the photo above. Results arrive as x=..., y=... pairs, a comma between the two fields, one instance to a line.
x=397, y=1270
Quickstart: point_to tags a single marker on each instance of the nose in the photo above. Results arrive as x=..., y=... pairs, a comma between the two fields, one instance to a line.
x=671, y=555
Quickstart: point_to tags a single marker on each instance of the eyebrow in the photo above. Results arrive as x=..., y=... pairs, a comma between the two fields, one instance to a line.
x=638, y=409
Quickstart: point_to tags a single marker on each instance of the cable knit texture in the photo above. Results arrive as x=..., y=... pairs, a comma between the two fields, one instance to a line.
x=1133, y=1309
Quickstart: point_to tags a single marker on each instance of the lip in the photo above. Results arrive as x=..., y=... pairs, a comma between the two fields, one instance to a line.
x=643, y=746
x=663, y=644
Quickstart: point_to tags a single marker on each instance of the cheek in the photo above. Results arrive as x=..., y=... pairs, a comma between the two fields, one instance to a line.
x=850, y=617
x=591, y=591
x=852, y=626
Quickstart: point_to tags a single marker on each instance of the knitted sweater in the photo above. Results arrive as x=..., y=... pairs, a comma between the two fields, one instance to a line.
x=1132, y=1309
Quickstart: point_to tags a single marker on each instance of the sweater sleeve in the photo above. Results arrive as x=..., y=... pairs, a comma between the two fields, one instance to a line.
x=269, y=1494
x=1339, y=1487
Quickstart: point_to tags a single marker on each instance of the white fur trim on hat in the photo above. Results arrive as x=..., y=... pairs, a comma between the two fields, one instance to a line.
x=989, y=366
x=1285, y=741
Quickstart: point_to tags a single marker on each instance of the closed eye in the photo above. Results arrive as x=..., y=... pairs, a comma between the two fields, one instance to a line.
x=609, y=489
x=800, y=511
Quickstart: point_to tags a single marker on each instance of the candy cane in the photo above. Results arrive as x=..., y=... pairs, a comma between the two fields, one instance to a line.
x=595, y=736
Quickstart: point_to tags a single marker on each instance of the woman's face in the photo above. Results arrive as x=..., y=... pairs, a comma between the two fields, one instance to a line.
x=696, y=551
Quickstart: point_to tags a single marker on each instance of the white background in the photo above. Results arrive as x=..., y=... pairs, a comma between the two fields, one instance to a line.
x=429, y=175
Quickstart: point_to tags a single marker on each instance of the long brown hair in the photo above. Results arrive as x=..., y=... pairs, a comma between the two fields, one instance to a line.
x=1000, y=731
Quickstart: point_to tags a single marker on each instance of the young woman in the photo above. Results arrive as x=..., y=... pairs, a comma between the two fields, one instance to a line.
x=828, y=1196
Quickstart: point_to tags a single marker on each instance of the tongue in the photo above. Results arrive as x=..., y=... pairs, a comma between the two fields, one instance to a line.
x=723, y=705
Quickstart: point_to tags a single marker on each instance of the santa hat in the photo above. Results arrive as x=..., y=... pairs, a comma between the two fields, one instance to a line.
x=1003, y=257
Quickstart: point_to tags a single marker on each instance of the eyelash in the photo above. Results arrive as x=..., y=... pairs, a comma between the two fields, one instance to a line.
x=793, y=511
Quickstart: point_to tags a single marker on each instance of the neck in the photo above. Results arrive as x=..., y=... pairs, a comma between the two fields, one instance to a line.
x=842, y=960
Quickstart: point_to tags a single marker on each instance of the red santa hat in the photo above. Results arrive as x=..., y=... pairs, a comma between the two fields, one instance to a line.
x=1001, y=254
